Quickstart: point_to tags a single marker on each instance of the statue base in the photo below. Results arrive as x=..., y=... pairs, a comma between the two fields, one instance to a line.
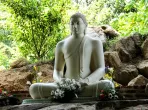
x=30, y=101
x=75, y=100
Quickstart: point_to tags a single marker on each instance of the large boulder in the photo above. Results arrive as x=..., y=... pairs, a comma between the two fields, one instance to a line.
x=19, y=63
x=145, y=49
x=112, y=59
x=46, y=71
x=128, y=48
x=122, y=52
x=16, y=79
x=96, y=33
x=125, y=74
x=143, y=68
x=104, y=32
x=138, y=81
x=109, y=31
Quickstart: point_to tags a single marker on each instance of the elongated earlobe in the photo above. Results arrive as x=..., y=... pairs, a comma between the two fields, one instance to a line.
x=85, y=30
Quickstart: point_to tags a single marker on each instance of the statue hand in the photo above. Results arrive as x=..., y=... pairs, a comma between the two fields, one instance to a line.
x=62, y=79
x=83, y=83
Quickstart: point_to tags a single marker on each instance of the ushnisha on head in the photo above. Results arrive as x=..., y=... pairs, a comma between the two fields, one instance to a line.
x=78, y=24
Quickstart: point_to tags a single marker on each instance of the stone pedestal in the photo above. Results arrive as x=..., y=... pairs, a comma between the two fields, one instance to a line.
x=75, y=100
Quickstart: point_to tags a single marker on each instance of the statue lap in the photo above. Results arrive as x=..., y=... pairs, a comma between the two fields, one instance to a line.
x=43, y=90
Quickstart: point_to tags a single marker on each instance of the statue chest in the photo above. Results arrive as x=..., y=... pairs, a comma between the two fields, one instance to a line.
x=79, y=55
x=78, y=50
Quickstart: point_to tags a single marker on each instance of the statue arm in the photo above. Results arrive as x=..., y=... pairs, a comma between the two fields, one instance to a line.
x=98, y=60
x=59, y=62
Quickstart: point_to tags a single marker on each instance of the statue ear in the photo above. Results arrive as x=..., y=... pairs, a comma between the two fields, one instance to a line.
x=85, y=30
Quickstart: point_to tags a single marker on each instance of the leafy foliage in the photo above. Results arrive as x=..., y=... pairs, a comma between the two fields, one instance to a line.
x=37, y=26
x=135, y=20
x=97, y=12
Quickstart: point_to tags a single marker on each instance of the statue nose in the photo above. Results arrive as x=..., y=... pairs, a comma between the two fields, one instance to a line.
x=75, y=25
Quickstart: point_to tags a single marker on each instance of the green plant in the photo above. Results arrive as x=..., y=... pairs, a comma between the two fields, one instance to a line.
x=37, y=26
x=133, y=21
x=36, y=73
x=4, y=60
x=109, y=75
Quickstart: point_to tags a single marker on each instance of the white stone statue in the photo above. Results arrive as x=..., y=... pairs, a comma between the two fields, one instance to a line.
x=84, y=59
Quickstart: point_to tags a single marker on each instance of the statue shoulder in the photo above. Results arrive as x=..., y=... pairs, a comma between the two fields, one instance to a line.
x=94, y=40
x=60, y=44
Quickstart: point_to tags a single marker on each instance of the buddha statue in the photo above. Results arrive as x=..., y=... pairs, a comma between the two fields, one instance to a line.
x=84, y=59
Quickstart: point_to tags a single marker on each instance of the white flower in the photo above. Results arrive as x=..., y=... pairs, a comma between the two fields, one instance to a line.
x=52, y=92
x=113, y=91
x=64, y=85
x=39, y=73
x=111, y=70
x=73, y=81
x=56, y=94
x=115, y=97
x=73, y=88
x=68, y=80
x=110, y=96
x=28, y=83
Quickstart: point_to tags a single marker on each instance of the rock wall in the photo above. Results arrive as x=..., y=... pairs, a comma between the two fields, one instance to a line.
x=20, y=73
x=129, y=59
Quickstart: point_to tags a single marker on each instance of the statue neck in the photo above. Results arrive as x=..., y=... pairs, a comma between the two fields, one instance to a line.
x=77, y=36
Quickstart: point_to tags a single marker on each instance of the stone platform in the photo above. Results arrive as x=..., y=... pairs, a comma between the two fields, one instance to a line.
x=134, y=99
x=140, y=104
x=75, y=100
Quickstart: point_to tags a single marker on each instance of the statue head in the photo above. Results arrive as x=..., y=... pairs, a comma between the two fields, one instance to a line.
x=78, y=23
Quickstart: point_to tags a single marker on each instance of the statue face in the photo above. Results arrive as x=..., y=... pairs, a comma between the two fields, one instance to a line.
x=77, y=26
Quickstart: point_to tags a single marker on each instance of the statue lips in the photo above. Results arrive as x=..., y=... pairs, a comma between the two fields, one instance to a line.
x=75, y=31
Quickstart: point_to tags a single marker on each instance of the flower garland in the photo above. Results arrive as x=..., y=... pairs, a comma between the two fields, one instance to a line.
x=109, y=94
x=66, y=91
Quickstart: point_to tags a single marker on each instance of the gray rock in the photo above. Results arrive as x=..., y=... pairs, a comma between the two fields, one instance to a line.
x=146, y=89
x=96, y=32
x=145, y=49
x=103, y=32
x=112, y=59
x=16, y=79
x=76, y=106
x=143, y=68
x=138, y=81
x=125, y=74
x=123, y=53
x=19, y=63
x=140, y=104
x=128, y=48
